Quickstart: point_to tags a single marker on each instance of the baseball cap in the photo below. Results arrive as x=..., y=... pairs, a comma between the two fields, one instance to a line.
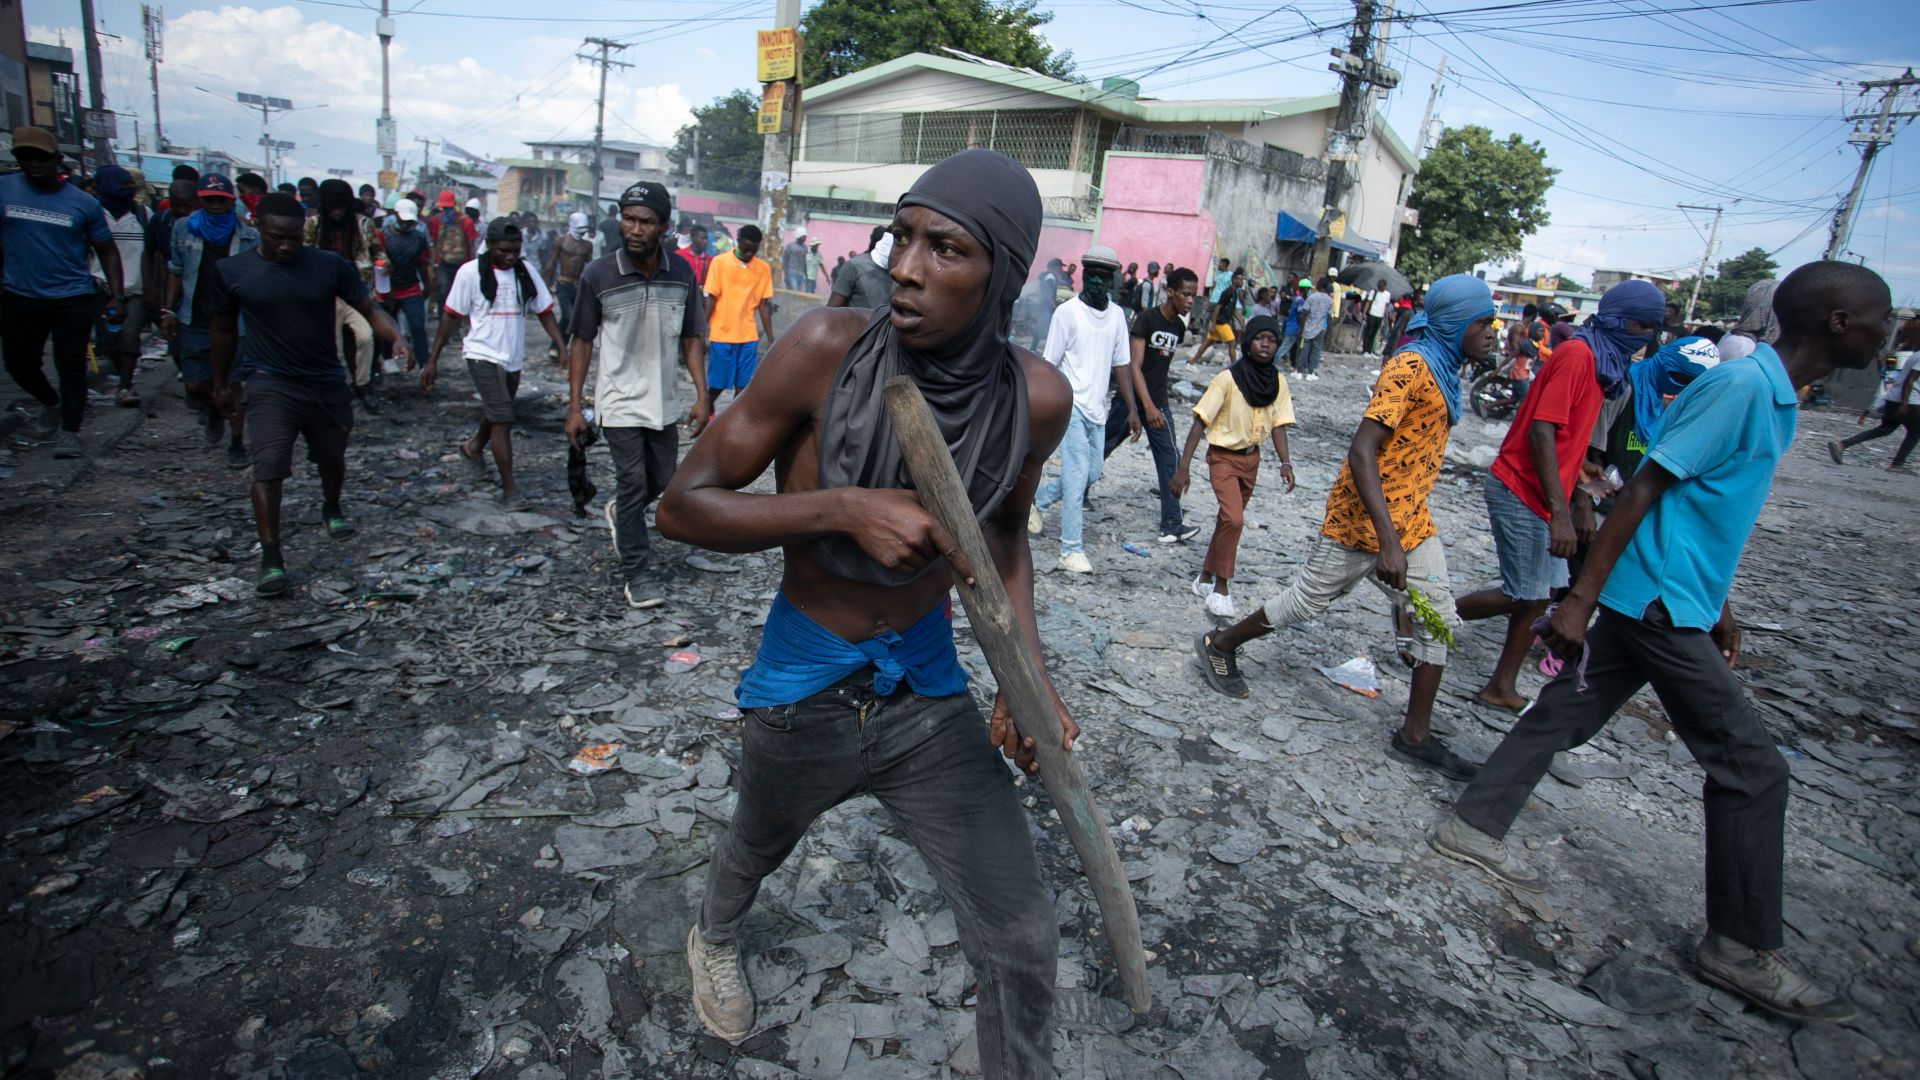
x=28, y=137
x=213, y=184
x=405, y=210
x=473, y=204
x=446, y=199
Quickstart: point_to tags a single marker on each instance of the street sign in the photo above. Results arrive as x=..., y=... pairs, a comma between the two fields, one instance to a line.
x=389, y=180
x=778, y=58
x=102, y=124
x=386, y=137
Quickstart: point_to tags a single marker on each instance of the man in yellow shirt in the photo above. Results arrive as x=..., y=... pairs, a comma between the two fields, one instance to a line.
x=739, y=289
x=1377, y=525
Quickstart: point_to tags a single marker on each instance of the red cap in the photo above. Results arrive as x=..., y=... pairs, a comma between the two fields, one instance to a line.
x=446, y=199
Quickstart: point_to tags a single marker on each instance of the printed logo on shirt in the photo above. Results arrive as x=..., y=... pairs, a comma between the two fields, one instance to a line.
x=44, y=217
x=1163, y=341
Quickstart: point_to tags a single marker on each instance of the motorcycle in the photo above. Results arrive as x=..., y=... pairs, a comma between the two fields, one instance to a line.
x=1492, y=395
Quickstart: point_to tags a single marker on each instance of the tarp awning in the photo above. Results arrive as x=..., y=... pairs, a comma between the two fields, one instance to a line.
x=1291, y=230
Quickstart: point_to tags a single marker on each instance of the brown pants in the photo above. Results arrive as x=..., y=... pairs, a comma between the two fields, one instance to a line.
x=1232, y=473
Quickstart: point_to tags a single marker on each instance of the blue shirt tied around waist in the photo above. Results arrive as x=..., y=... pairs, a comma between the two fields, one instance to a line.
x=798, y=658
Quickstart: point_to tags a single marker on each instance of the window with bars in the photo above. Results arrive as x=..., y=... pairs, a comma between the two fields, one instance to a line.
x=1037, y=138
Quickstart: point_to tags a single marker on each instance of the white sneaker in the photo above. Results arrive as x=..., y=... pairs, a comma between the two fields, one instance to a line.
x=1222, y=605
x=721, y=997
x=613, y=528
x=1035, y=521
x=1313, y=378
x=1201, y=588
x=1075, y=562
x=1186, y=532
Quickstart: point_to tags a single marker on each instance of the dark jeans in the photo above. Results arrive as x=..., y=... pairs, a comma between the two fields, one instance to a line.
x=927, y=760
x=414, y=309
x=1746, y=785
x=1164, y=457
x=1372, y=332
x=29, y=321
x=563, y=296
x=1891, y=421
x=643, y=462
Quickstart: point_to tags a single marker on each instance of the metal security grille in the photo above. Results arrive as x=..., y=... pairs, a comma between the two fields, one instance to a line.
x=1036, y=138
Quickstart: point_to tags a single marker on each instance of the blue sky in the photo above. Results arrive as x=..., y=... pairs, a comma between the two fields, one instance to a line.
x=1739, y=107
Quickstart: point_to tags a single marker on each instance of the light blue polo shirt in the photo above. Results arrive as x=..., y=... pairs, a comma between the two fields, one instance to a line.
x=1721, y=439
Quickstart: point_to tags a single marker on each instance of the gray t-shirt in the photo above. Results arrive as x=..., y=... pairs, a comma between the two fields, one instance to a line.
x=1319, y=305
x=863, y=282
x=638, y=323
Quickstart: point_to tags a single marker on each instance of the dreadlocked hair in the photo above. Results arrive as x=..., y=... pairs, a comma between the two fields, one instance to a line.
x=522, y=279
x=342, y=239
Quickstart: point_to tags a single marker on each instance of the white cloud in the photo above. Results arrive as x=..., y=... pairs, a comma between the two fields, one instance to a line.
x=278, y=51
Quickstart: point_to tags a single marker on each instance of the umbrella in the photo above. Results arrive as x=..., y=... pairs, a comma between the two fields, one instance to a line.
x=1368, y=275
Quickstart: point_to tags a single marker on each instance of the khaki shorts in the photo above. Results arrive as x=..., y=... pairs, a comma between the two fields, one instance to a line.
x=1333, y=569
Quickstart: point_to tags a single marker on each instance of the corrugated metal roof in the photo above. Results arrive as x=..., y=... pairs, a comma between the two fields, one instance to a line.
x=1137, y=110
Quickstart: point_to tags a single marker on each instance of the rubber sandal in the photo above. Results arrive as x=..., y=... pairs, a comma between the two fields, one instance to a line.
x=273, y=581
x=340, y=528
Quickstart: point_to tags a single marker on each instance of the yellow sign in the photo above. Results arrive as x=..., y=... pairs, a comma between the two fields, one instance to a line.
x=779, y=55
x=1547, y=282
x=389, y=180
x=1337, y=228
x=773, y=109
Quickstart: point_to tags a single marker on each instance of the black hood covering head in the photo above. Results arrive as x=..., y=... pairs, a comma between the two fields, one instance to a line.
x=976, y=388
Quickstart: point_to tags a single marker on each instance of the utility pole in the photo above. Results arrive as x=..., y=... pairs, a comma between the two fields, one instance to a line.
x=268, y=106
x=600, y=112
x=776, y=154
x=694, y=179
x=1870, y=141
x=1713, y=245
x=1359, y=74
x=426, y=157
x=152, y=20
x=385, y=136
x=96, y=98
x=1419, y=155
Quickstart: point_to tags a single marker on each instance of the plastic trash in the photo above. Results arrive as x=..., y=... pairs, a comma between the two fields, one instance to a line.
x=598, y=758
x=683, y=660
x=1134, y=548
x=1358, y=675
x=175, y=644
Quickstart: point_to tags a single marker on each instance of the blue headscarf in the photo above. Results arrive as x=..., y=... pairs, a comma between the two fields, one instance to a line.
x=1662, y=375
x=1605, y=331
x=1452, y=303
x=114, y=186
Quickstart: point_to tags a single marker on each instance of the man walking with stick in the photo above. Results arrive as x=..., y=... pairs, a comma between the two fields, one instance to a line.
x=857, y=688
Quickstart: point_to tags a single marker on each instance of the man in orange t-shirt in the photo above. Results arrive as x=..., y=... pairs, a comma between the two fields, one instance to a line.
x=739, y=289
x=1378, y=526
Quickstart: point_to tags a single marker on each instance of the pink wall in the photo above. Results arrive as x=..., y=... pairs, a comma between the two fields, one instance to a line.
x=1061, y=242
x=1150, y=211
x=702, y=202
x=836, y=239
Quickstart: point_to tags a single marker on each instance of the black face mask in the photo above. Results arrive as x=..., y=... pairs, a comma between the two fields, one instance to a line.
x=1096, y=287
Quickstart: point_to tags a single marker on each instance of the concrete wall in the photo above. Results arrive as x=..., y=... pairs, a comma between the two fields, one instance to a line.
x=1151, y=210
x=885, y=183
x=1246, y=201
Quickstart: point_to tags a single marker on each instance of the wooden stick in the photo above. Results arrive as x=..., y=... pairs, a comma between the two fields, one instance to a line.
x=1029, y=704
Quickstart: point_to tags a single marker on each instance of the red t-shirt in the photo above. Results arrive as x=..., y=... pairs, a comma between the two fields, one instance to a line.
x=1566, y=395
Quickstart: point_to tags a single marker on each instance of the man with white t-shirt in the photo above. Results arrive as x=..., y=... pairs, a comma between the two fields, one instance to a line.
x=1086, y=340
x=1377, y=302
x=494, y=293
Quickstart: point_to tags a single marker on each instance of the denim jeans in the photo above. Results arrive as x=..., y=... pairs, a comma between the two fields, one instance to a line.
x=68, y=320
x=644, y=460
x=414, y=310
x=1080, y=462
x=1164, y=459
x=928, y=762
x=1310, y=353
x=1745, y=793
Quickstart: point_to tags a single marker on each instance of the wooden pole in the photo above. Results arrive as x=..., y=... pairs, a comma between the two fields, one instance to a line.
x=997, y=629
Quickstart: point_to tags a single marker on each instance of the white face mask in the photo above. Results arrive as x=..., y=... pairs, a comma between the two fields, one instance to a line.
x=882, y=250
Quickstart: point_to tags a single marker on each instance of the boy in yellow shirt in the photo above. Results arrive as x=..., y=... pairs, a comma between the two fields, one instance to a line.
x=1242, y=405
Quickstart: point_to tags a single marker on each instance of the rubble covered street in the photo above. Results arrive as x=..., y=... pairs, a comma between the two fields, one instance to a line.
x=445, y=810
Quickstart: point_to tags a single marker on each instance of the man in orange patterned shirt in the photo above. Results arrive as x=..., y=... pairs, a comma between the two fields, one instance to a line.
x=1378, y=526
